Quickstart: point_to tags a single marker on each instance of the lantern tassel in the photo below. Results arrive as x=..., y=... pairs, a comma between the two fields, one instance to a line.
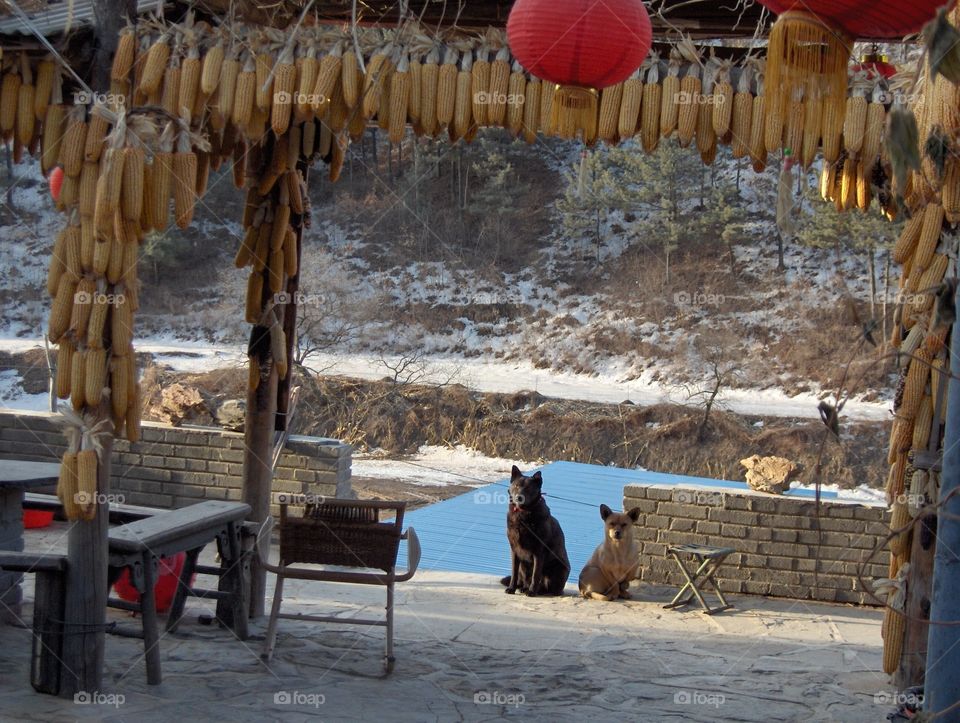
x=575, y=110
x=804, y=52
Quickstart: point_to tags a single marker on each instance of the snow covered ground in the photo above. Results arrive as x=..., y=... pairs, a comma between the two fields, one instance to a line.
x=488, y=375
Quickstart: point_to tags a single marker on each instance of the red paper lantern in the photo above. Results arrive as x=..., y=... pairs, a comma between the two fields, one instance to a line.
x=580, y=42
x=56, y=182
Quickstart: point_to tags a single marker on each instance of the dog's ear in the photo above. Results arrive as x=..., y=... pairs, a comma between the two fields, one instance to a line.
x=537, y=479
x=634, y=514
x=515, y=472
x=605, y=512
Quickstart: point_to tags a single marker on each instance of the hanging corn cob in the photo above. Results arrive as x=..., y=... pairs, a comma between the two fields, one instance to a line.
x=722, y=100
x=742, y=117
x=631, y=98
x=669, y=98
x=855, y=119
x=650, y=107
x=516, y=89
x=611, y=101
x=480, y=86
x=499, y=87
x=429, y=82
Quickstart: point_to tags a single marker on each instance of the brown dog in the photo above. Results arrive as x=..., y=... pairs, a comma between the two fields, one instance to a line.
x=608, y=573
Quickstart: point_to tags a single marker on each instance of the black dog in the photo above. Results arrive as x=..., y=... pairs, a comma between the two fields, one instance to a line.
x=538, y=554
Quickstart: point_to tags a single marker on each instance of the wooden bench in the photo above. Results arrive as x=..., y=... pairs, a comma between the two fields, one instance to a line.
x=140, y=544
x=347, y=534
x=120, y=514
x=49, y=597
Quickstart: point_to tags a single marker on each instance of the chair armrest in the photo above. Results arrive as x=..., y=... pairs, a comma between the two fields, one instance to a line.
x=413, y=554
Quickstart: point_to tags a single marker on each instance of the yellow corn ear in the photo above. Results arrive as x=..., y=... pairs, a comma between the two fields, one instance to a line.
x=463, y=110
x=611, y=99
x=307, y=68
x=83, y=299
x=72, y=145
x=429, y=81
x=873, y=134
x=64, y=369
x=499, y=89
x=447, y=82
x=854, y=123
x=264, y=94
x=26, y=115
x=50, y=139
x=132, y=186
x=95, y=375
x=480, y=86
x=399, y=102
x=121, y=321
x=87, y=484
x=531, y=110
x=516, y=87
x=351, y=79
x=97, y=322
x=722, y=107
x=68, y=486
x=184, y=180
x=688, y=107
x=62, y=307
x=9, y=99
x=78, y=384
x=46, y=70
x=893, y=631
x=212, y=69
x=650, y=116
x=812, y=119
x=740, y=124
x=155, y=67
x=831, y=131
x=284, y=86
x=933, y=216
x=254, y=297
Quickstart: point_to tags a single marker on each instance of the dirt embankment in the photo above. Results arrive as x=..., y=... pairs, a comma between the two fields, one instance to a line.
x=526, y=425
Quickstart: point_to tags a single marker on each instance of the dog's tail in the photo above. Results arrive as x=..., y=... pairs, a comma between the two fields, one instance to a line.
x=505, y=581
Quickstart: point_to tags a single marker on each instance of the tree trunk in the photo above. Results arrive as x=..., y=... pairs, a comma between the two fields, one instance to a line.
x=871, y=266
x=781, y=266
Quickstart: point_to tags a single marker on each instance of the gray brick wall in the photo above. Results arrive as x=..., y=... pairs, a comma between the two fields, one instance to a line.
x=780, y=550
x=178, y=466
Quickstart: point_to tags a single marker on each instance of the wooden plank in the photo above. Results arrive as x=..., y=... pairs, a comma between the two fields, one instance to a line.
x=202, y=519
x=32, y=562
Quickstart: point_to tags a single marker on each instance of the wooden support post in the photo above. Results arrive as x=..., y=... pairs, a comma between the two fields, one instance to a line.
x=913, y=660
x=257, y=463
x=85, y=613
x=942, y=686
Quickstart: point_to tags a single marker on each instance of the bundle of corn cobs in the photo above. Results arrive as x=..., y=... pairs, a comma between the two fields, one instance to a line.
x=926, y=251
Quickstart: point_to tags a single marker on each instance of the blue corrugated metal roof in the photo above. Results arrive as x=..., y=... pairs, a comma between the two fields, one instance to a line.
x=467, y=533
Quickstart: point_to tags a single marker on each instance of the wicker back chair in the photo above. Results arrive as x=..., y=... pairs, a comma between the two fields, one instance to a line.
x=349, y=535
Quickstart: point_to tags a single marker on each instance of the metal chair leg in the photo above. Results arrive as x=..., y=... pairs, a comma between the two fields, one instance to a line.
x=389, y=660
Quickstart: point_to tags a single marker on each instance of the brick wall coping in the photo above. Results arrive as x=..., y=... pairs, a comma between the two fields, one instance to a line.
x=747, y=492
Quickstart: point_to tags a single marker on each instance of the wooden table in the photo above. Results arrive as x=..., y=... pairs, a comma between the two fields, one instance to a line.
x=16, y=476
